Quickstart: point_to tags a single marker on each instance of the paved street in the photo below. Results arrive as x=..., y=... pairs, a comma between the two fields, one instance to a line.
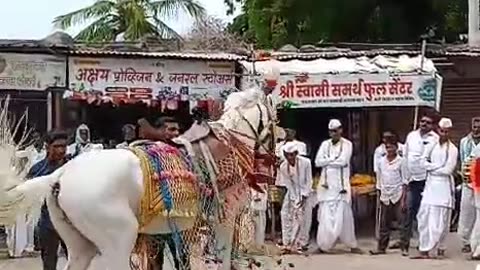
x=393, y=261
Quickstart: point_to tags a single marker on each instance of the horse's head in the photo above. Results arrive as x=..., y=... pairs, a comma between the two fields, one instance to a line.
x=249, y=116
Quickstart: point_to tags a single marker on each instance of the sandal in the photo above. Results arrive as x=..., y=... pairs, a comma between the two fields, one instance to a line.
x=421, y=256
x=466, y=249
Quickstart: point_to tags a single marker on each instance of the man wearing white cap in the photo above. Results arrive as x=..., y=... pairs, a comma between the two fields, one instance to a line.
x=437, y=202
x=295, y=174
x=335, y=217
x=290, y=136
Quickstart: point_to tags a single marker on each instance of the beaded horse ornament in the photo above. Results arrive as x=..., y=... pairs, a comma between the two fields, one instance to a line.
x=170, y=184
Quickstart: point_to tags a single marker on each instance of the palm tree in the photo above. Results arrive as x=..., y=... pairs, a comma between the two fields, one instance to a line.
x=132, y=18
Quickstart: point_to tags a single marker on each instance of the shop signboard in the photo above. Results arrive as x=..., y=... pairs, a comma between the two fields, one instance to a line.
x=31, y=71
x=358, y=90
x=150, y=79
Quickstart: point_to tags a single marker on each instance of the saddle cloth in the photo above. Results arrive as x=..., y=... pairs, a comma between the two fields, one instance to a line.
x=170, y=187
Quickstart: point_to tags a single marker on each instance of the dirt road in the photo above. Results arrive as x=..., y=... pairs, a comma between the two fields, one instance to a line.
x=342, y=261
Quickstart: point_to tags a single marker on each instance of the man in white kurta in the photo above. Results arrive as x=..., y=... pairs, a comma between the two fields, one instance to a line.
x=304, y=236
x=467, y=203
x=335, y=216
x=438, y=196
x=295, y=174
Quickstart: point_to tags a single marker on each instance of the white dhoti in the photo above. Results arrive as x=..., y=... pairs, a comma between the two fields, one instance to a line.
x=433, y=226
x=304, y=237
x=335, y=222
x=260, y=221
x=467, y=215
x=259, y=210
x=292, y=221
x=17, y=237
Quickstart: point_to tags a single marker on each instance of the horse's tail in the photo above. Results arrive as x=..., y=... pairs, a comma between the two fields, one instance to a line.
x=27, y=197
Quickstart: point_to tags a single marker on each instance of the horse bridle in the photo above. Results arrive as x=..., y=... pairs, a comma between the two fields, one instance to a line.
x=259, y=142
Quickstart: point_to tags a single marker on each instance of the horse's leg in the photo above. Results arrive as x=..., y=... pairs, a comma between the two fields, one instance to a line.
x=118, y=237
x=80, y=250
x=109, y=223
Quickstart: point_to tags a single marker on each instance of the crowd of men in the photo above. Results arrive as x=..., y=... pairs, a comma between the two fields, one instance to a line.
x=414, y=182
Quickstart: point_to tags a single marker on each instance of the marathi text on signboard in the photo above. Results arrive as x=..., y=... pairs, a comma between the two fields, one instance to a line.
x=31, y=71
x=358, y=90
x=150, y=78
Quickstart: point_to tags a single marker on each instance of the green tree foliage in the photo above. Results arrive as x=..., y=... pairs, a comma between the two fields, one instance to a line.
x=272, y=23
x=135, y=19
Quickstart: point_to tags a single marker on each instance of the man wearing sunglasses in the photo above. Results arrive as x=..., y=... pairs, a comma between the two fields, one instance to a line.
x=416, y=145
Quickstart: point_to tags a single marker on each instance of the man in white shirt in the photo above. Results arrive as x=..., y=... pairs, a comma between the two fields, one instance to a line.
x=437, y=203
x=381, y=151
x=335, y=216
x=290, y=136
x=467, y=202
x=418, y=141
x=391, y=184
x=295, y=174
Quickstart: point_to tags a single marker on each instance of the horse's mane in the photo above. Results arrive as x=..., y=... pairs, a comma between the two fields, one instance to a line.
x=239, y=101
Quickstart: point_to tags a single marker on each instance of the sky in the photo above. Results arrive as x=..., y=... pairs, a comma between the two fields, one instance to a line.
x=32, y=19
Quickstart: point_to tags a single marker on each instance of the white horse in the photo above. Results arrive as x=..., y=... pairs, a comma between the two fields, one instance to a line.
x=97, y=206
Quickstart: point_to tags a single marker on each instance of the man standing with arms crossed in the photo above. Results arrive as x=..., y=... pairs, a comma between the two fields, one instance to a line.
x=335, y=216
x=437, y=203
x=467, y=203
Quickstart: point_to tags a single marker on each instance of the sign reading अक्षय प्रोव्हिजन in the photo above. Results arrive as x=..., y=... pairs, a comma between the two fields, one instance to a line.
x=357, y=90
x=150, y=78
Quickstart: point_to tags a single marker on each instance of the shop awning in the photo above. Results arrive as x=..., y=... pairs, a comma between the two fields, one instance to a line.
x=358, y=82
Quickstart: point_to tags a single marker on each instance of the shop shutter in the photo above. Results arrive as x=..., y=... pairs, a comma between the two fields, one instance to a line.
x=460, y=102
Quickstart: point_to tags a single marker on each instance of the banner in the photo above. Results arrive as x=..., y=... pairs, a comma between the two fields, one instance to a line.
x=150, y=79
x=357, y=90
x=31, y=71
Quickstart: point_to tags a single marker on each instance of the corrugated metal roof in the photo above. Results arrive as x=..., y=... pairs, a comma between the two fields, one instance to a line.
x=403, y=64
x=180, y=55
x=331, y=54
